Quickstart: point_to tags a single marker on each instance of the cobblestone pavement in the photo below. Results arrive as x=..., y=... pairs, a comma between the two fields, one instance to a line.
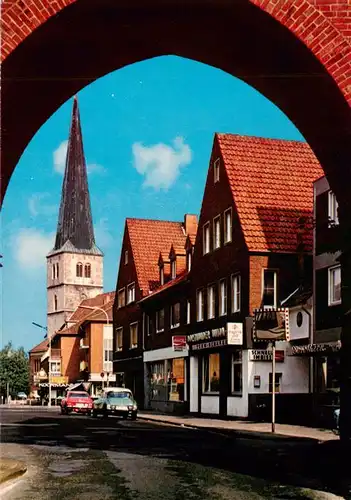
x=96, y=459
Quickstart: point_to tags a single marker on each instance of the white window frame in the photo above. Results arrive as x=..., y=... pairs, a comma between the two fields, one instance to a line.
x=333, y=219
x=125, y=257
x=160, y=330
x=119, y=336
x=236, y=362
x=217, y=237
x=131, y=344
x=188, y=312
x=331, y=301
x=173, y=269
x=222, y=311
x=211, y=301
x=56, y=362
x=200, y=305
x=216, y=167
x=174, y=325
x=227, y=237
x=206, y=248
x=120, y=291
x=131, y=286
x=236, y=293
x=275, y=282
x=188, y=260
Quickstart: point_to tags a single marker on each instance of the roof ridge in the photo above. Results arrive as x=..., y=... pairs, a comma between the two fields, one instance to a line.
x=269, y=139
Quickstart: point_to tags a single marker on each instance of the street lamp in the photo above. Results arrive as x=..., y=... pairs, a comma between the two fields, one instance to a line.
x=49, y=374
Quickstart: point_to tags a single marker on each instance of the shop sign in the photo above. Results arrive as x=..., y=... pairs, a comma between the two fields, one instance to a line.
x=209, y=345
x=179, y=342
x=271, y=324
x=265, y=355
x=326, y=348
x=59, y=380
x=235, y=333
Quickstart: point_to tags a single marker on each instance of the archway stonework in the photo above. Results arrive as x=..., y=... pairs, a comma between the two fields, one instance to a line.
x=295, y=52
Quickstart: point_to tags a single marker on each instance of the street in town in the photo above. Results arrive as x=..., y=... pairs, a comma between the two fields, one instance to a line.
x=81, y=457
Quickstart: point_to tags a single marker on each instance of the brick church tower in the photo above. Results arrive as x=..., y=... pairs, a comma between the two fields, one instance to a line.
x=75, y=264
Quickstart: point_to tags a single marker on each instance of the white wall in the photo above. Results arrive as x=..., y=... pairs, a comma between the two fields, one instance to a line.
x=294, y=369
x=238, y=406
x=194, y=384
x=303, y=331
x=210, y=404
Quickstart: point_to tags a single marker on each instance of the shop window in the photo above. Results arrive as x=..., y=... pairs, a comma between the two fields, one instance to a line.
x=217, y=232
x=269, y=289
x=167, y=379
x=206, y=238
x=121, y=301
x=133, y=333
x=237, y=372
x=278, y=382
x=211, y=372
x=333, y=372
x=211, y=302
x=173, y=269
x=160, y=320
x=79, y=270
x=87, y=270
x=228, y=225
x=175, y=315
x=236, y=293
x=188, y=312
x=334, y=284
x=130, y=293
x=216, y=166
x=200, y=305
x=333, y=219
x=119, y=339
x=223, y=297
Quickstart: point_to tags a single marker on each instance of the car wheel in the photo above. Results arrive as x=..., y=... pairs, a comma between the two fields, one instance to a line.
x=105, y=414
x=62, y=411
x=134, y=417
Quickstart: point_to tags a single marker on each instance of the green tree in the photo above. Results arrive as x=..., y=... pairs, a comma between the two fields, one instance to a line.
x=14, y=369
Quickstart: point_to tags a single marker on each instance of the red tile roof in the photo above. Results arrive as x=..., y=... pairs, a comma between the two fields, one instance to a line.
x=272, y=185
x=148, y=239
x=42, y=347
x=179, y=279
x=98, y=301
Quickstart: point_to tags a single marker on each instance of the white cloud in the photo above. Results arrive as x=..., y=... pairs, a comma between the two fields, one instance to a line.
x=103, y=236
x=37, y=207
x=160, y=163
x=31, y=246
x=59, y=156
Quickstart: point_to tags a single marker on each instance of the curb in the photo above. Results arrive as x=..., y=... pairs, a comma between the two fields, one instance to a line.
x=228, y=432
x=11, y=469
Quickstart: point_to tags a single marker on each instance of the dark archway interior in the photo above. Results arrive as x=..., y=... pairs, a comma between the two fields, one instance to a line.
x=86, y=41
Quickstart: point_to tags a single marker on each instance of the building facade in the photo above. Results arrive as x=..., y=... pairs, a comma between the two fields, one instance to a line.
x=75, y=264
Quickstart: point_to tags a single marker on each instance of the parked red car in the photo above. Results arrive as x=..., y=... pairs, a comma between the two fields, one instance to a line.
x=76, y=402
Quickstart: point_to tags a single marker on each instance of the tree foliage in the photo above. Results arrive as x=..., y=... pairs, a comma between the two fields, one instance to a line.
x=14, y=369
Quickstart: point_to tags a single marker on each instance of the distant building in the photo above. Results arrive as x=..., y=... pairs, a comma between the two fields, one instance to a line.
x=75, y=264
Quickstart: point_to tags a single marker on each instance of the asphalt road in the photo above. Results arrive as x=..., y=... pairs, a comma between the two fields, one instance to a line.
x=81, y=457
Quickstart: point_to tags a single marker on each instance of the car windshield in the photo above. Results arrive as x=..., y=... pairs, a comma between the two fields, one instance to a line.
x=120, y=395
x=78, y=395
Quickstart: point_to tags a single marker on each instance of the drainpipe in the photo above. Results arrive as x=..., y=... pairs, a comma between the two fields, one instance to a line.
x=310, y=382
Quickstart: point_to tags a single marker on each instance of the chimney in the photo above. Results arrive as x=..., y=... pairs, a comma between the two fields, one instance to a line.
x=190, y=224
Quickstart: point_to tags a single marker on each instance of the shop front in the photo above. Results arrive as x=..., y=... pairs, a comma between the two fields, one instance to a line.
x=165, y=372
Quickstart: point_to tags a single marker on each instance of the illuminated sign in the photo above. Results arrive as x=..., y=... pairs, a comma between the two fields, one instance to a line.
x=271, y=324
x=231, y=334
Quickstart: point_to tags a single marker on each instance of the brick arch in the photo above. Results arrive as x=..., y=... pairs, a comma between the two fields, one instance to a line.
x=323, y=25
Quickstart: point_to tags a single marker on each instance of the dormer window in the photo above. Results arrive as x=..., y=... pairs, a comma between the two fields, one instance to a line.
x=162, y=275
x=126, y=257
x=333, y=219
x=79, y=270
x=87, y=270
x=173, y=269
x=216, y=166
x=130, y=293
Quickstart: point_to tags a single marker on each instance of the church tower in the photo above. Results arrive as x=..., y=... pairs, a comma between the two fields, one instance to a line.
x=75, y=265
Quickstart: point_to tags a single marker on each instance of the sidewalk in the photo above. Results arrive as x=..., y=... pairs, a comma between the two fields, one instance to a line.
x=242, y=427
x=11, y=469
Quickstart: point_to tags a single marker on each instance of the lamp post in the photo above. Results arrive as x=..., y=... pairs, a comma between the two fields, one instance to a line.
x=49, y=371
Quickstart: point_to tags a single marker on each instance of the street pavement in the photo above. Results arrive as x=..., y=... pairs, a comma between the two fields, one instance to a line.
x=78, y=457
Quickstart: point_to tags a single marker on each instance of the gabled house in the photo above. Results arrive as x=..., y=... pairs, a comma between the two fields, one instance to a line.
x=253, y=250
x=145, y=263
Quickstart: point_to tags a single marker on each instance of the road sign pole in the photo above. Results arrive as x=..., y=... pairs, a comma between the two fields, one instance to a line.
x=273, y=386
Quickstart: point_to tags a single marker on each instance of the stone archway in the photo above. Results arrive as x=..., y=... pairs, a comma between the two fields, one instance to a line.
x=295, y=52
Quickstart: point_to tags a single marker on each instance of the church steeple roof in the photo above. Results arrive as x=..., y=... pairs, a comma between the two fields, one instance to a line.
x=75, y=231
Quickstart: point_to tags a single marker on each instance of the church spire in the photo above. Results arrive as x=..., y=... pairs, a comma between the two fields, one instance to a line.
x=75, y=226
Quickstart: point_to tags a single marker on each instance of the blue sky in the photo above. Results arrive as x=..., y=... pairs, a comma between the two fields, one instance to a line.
x=147, y=131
